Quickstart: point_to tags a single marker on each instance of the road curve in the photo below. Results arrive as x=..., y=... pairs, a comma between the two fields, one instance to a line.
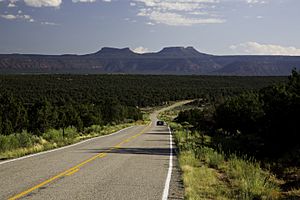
x=132, y=164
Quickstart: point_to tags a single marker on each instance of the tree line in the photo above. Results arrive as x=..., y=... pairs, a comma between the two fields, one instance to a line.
x=43, y=115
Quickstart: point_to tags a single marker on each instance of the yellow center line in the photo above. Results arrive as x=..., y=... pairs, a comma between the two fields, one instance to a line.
x=72, y=172
x=77, y=167
x=102, y=155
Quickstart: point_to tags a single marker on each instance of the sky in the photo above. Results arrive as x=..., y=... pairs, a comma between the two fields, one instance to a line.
x=219, y=27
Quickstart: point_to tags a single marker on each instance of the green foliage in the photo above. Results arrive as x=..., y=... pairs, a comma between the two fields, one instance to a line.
x=20, y=144
x=210, y=156
x=14, y=141
x=250, y=181
x=262, y=123
x=200, y=181
x=268, y=117
x=282, y=108
x=130, y=90
x=242, y=113
x=37, y=103
x=46, y=105
x=93, y=129
x=25, y=139
x=53, y=135
x=192, y=116
x=210, y=174
x=57, y=136
x=199, y=118
x=43, y=115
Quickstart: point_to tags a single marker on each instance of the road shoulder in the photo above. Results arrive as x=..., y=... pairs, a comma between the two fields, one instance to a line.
x=176, y=190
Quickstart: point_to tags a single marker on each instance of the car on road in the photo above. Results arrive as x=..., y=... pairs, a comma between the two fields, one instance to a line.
x=160, y=123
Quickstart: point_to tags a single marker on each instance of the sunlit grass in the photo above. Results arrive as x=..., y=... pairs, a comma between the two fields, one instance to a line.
x=200, y=181
x=250, y=181
x=234, y=178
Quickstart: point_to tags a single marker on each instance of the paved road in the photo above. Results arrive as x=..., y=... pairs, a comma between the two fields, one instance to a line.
x=131, y=164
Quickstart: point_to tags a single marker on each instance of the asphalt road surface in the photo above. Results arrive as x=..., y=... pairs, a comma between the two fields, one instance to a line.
x=134, y=163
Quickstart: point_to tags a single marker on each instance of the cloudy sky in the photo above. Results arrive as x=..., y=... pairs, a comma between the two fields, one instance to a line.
x=212, y=26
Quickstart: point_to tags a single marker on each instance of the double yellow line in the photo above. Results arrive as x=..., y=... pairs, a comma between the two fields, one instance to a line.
x=76, y=168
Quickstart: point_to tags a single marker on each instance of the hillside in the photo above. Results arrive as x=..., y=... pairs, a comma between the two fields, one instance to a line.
x=170, y=60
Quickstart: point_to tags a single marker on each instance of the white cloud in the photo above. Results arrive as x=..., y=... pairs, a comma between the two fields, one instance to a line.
x=178, y=12
x=173, y=5
x=264, y=49
x=174, y=19
x=89, y=1
x=11, y=5
x=43, y=3
x=179, y=5
x=140, y=50
x=9, y=17
x=27, y=18
x=49, y=23
x=150, y=23
x=83, y=1
x=198, y=13
x=24, y=17
x=256, y=1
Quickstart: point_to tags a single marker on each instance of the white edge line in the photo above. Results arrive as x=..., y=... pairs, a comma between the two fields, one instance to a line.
x=64, y=147
x=168, y=179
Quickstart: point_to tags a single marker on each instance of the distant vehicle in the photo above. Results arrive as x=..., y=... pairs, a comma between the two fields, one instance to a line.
x=160, y=123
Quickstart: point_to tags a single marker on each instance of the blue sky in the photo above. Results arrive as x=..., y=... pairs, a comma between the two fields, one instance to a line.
x=219, y=27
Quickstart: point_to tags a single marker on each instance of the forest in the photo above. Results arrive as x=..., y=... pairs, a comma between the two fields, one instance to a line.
x=261, y=123
x=34, y=104
x=39, y=102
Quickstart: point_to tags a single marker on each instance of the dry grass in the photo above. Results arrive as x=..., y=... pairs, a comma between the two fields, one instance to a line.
x=200, y=181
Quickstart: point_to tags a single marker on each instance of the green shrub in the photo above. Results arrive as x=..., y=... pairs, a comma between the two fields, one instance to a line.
x=53, y=135
x=9, y=142
x=4, y=141
x=93, y=129
x=14, y=141
x=70, y=133
x=25, y=139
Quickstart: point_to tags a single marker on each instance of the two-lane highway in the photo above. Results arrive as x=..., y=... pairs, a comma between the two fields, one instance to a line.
x=131, y=164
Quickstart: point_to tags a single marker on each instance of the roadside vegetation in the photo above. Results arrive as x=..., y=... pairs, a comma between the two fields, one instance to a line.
x=211, y=174
x=24, y=143
x=243, y=147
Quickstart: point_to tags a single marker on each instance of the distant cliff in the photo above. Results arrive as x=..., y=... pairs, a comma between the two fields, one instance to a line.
x=170, y=60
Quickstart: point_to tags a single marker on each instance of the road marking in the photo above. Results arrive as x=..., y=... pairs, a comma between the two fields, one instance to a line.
x=72, y=172
x=61, y=148
x=100, y=155
x=168, y=179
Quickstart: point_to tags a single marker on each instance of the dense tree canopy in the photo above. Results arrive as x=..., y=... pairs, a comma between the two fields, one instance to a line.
x=37, y=103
